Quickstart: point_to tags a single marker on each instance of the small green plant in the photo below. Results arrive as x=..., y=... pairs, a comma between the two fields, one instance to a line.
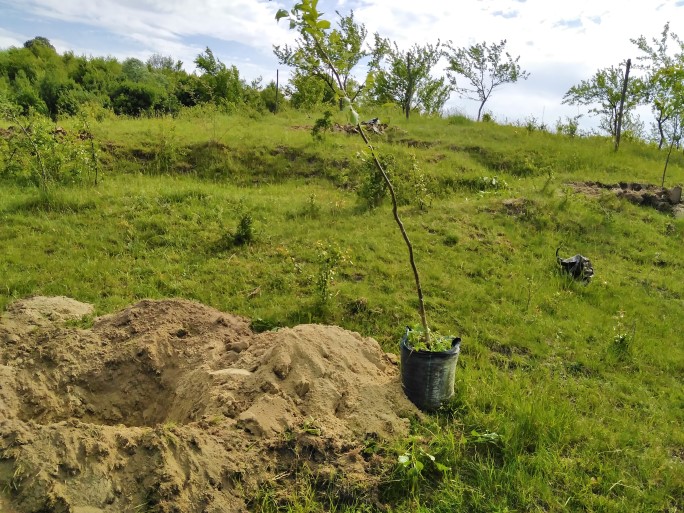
x=244, y=233
x=322, y=126
x=329, y=257
x=570, y=127
x=305, y=17
x=623, y=338
x=417, y=189
x=312, y=209
x=416, y=340
x=532, y=124
x=482, y=184
x=414, y=463
x=167, y=151
x=93, y=154
x=373, y=188
x=311, y=427
x=40, y=152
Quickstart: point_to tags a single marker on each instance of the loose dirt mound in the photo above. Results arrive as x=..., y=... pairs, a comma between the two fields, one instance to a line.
x=173, y=406
x=375, y=128
x=664, y=200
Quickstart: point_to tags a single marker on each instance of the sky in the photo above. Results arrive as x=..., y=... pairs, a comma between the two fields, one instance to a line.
x=559, y=43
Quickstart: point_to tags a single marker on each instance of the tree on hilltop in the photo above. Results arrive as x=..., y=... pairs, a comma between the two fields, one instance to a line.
x=403, y=77
x=345, y=47
x=485, y=67
x=662, y=87
x=603, y=92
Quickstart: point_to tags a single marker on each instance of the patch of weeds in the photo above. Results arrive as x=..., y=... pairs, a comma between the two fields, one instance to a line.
x=84, y=323
x=372, y=446
x=373, y=188
x=579, y=369
x=450, y=240
x=260, y=325
x=167, y=150
x=484, y=444
x=481, y=184
x=415, y=187
x=438, y=343
x=179, y=197
x=244, y=233
x=570, y=127
x=41, y=153
x=322, y=126
x=310, y=210
x=357, y=307
x=411, y=185
x=53, y=201
x=518, y=163
x=415, y=467
x=211, y=159
x=532, y=124
x=329, y=257
x=622, y=342
x=459, y=120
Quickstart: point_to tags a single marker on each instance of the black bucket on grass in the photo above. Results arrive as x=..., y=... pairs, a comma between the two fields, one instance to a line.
x=428, y=376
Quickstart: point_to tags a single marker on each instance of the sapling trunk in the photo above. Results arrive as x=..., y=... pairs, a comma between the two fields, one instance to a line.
x=343, y=93
x=395, y=212
x=667, y=160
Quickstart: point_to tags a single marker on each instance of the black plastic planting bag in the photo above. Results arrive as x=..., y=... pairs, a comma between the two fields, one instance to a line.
x=427, y=376
x=578, y=266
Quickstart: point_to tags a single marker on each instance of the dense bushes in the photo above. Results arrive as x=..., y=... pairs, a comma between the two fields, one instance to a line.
x=38, y=79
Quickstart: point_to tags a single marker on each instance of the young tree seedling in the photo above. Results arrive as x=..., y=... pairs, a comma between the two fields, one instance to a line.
x=305, y=18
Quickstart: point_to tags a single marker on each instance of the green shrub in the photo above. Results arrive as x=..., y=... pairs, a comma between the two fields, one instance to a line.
x=322, y=126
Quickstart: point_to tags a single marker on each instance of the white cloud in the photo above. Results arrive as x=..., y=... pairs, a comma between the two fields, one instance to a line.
x=561, y=43
x=169, y=20
x=9, y=38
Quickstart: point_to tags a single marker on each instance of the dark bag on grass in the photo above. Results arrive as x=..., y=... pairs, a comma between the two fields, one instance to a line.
x=578, y=266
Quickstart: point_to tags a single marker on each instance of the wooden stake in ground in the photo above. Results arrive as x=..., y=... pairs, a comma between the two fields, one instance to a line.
x=622, y=105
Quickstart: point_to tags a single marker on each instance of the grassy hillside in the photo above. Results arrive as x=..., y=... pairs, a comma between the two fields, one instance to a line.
x=569, y=397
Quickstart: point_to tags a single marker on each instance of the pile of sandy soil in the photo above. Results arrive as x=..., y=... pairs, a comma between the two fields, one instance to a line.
x=173, y=406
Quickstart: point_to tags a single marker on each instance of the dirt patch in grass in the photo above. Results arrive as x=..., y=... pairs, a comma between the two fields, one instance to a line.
x=173, y=406
x=662, y=199
x=516, y=206
x=6, y=133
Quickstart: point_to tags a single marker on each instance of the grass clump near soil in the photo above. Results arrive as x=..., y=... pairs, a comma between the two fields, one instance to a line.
x=568, y=397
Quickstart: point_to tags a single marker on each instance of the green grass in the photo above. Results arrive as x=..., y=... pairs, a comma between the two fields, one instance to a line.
x=552, y=413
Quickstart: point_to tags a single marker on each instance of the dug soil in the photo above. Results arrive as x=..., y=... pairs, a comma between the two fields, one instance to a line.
x=664, y=200
x=172, y=406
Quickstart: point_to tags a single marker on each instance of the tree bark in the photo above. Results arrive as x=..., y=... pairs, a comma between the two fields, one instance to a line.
x=622, y=105
x=275, y=110
x=409, y=246
x=667, y=161
x=479, y=111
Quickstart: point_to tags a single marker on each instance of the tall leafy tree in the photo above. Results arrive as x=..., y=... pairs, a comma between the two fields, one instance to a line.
x=165, y=63
x=660, y=90
x=39, y=42
x=223, y=83
x=484, y=68
x=603, y=92
x=404, y=77
x=344, y=47
x=307, y=91
x=668, y=82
